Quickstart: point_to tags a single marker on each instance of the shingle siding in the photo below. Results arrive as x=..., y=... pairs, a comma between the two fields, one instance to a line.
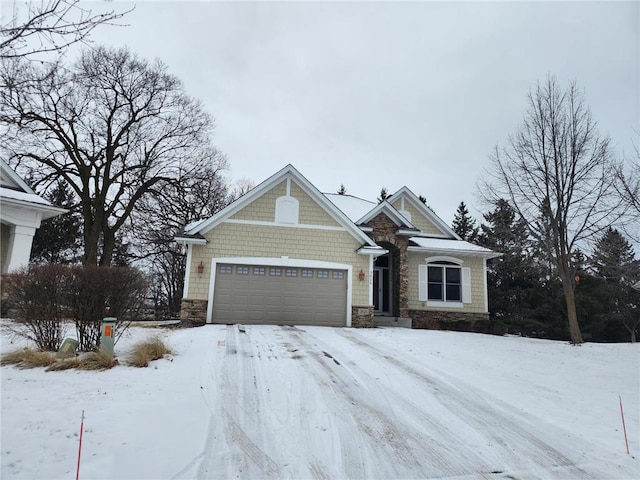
x=238, y=240
x=477, y=304
x=417, y=218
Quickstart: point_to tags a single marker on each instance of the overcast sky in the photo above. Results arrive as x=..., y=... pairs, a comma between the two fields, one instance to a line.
x=387, y=94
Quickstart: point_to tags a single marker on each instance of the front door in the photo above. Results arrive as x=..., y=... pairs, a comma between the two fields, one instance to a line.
x=382, y=286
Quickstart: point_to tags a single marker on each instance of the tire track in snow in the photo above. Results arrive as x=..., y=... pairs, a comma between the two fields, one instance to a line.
x=498, y=427
x=237, y=430
x=398, y=449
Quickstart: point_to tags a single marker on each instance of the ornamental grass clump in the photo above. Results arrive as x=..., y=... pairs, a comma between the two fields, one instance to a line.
x=96, y=361
x=147, y=351
x=28, y=358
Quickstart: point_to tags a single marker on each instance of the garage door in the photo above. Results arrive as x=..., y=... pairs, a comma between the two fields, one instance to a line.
x=255, y=294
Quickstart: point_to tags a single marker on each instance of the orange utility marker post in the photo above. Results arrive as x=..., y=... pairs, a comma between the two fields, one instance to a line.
x=624, y=427
x=80, y=445
x=107, y=337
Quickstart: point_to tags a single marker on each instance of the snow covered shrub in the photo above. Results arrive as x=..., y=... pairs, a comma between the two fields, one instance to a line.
x=98, y=292
x=36, y=299
x=147, y=351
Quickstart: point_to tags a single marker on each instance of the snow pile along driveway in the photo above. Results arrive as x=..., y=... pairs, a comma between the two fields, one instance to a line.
x=313, y=402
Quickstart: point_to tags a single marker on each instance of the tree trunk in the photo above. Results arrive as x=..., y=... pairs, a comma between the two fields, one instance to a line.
x=91, y=240
x=109, y=244
x=572, y=314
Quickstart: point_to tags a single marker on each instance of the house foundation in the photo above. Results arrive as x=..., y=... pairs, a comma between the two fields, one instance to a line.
x=456, y=321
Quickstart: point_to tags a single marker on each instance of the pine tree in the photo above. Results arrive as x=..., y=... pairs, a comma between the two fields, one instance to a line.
x=616, y=270
x=512, y=278
x=383, y=195
x=59, y=239
x=464, y=225
x=614, y=259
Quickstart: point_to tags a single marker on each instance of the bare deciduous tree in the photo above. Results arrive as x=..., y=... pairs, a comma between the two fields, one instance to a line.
x=628, y=187
x=161, y=218
x=556, y=172
x=48, y=26
x=114, y=127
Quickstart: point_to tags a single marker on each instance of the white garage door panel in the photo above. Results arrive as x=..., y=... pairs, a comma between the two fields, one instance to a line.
x=243, y=295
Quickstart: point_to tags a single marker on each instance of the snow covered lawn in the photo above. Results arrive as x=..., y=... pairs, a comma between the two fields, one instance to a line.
x=327, y=403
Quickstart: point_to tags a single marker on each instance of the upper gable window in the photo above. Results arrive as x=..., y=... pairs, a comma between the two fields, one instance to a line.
x=287, y=209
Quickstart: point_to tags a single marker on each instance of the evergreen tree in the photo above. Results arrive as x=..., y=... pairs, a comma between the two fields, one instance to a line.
x=616, y=271
x=464, y=225
x=614, y=259
x=383, y=195
x=513, y=277
x=59, y=239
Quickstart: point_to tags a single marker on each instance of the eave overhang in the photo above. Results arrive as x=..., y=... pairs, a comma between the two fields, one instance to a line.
x=454, y=251
x=190, y=239
x=375, y=251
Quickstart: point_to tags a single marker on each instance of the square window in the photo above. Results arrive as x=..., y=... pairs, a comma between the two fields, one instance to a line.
x=259, y=270
x=242, y=270
x=291, y=272
x=306, y=273
x=275, y=272
x=225, y=269
x=323, y=274
x=338, y=275
x=444, y=283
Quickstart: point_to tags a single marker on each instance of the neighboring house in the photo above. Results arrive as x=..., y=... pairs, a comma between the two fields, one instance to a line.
x=21, y=212
x=285, y=253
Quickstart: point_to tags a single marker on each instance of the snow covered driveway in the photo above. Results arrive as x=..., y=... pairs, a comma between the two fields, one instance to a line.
x=327, y=403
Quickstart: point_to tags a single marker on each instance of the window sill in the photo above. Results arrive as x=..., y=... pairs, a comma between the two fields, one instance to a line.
x=431, y=303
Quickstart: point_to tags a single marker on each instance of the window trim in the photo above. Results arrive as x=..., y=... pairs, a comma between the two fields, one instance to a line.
x=465, y=282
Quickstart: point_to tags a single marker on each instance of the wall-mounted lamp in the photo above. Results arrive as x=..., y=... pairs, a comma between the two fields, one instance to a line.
x=361, y=275
x=200, y=268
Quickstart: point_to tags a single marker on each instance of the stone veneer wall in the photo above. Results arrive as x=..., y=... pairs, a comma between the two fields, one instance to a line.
x=193, y=312
x=384, y=231
x=362, y=316
x=456, y=321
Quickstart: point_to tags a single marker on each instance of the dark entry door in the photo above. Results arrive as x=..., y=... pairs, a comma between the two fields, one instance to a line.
x=382, y=287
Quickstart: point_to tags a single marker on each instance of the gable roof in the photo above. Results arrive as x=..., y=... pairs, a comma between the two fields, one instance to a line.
x=14, y=191
x=10, y=179
x=390, y=211
x=424, y=210
x=196, y=229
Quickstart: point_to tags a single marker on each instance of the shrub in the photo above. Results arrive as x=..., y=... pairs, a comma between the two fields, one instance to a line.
x=147, y=351
x=36, y=295
x=98, y=292
x=28, y=358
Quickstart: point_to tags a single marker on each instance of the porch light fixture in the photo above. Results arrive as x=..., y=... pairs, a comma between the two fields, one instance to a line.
x=200, y=268
x=361, y=275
